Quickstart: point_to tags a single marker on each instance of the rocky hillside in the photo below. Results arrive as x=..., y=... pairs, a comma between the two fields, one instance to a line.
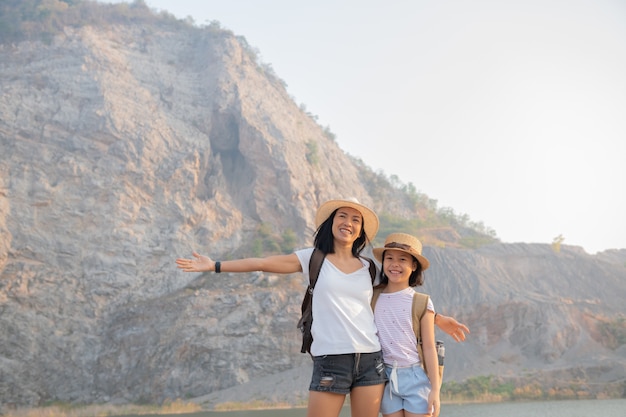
x=124, y=146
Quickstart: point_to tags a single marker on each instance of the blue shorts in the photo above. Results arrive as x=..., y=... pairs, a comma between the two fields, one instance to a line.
x=411, y=392
x=340, y=373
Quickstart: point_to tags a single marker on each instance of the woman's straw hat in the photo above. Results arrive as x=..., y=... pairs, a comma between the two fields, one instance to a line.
x=370, y=219
x=405, y=243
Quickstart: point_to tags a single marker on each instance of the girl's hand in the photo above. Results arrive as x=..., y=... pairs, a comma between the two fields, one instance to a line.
x=452, y=327
x=200, y=264
x=433, y=403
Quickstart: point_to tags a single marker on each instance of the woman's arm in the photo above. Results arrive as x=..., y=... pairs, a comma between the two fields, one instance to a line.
x=427, y=334
x=451, y=326
x=280, y=264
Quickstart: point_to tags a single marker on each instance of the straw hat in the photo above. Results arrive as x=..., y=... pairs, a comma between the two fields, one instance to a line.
x=370, y=219
x=404, y=243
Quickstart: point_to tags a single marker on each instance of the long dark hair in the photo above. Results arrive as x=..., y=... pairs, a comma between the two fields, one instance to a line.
x=325, y=242
x=415, y=279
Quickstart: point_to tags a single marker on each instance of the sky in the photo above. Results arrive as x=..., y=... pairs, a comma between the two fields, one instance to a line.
x=512, y=112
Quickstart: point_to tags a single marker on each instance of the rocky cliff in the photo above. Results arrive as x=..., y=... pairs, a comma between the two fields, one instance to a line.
x=123, y=147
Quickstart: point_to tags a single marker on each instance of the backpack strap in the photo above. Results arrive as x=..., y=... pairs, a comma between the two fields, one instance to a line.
x=372, y=268
x=377, y=290
x=306, y=319
x=420, y=302
x=315, y=266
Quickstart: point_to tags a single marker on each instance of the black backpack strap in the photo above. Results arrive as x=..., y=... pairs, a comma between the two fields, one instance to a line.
x=372, y=268
x=315, y=266
x=377, y=291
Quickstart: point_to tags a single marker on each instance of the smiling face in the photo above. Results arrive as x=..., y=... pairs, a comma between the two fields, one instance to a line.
x=398, y=266
x=347, y=225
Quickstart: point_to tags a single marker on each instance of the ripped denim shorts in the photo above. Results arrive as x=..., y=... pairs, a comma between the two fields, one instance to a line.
x=340, y=373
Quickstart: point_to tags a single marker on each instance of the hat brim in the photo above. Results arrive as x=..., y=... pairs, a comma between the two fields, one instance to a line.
x=378, y=254
x=370, y=219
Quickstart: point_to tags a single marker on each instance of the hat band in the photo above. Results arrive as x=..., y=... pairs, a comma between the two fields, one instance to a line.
x=397, y=245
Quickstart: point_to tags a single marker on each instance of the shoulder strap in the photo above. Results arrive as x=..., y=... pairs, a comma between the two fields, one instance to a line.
x=304, y=324
x=377, y=291
x=420, y=302
x=315, y=265
x=372, y=268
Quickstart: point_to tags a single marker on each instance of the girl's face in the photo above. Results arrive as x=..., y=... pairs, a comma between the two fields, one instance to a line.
x=398, y=266
x=347, y=224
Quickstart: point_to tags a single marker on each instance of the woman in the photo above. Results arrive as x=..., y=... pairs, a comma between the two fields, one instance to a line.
x=347, y=356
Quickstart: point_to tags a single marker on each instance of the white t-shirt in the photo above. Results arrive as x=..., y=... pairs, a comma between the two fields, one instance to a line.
x=393, y=317
x=343, y=321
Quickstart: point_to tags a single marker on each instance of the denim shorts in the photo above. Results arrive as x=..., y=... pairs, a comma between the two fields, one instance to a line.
x=410, y=393
x=340, y=373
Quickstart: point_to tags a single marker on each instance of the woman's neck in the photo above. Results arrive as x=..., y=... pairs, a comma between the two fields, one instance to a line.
x=343, y=251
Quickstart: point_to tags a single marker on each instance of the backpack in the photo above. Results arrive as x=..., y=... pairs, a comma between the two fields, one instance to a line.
x=418, y=309
x=305, y=322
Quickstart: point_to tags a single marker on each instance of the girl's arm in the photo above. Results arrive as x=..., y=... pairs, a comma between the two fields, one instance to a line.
x=427, y=334
x=280, y=264
x=451, y=326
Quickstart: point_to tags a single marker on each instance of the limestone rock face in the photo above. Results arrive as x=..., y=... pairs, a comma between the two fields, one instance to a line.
x=122, y=148
x=530, y=308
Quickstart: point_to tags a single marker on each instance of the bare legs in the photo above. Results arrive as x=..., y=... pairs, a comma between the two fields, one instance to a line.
x=364, y=402
x=324, y=404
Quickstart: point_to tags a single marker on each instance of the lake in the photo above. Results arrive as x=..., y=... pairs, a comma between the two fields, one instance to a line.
x=574, y=408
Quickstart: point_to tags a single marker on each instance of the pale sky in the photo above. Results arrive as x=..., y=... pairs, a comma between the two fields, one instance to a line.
x=512, y=112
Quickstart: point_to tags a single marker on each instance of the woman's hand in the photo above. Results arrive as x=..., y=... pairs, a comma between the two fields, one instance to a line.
x=452, y=327
x=200, y=264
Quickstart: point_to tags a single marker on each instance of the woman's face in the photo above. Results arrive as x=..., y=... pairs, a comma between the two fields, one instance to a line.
x=398, y=266
x=347, y=224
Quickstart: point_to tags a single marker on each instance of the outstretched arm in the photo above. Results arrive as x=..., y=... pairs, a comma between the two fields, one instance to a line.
x=280, y=264
x=452, y=327
x=199, y=263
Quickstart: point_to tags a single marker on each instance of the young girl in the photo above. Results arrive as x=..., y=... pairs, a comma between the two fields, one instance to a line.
x=409, y=392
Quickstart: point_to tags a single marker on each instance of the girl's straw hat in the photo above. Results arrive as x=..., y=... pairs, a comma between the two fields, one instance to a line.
x=370, y=219
x=405, y=243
